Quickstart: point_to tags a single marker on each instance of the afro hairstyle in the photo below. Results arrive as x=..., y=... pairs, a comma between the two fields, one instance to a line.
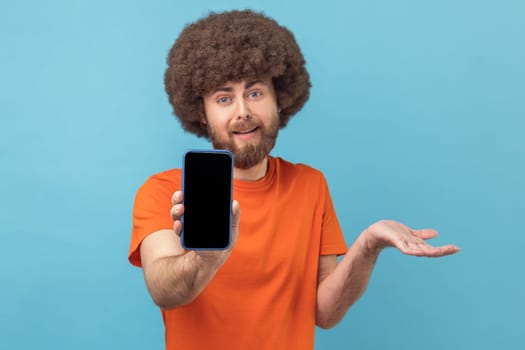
x=233, y=46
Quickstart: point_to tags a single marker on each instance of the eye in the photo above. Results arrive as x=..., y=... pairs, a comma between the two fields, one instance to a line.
x=254, y=94
x=223, y=100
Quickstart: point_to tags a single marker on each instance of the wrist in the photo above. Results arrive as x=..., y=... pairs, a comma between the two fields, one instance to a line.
x=209, y=258
x=370, y=244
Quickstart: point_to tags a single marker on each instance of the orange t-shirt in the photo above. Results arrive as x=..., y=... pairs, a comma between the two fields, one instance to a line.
x=264, y=296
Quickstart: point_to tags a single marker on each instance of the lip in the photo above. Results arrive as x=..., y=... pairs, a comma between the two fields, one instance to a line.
x=246, y=134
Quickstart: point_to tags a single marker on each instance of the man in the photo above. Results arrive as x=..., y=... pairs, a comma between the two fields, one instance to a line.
x=236, y=78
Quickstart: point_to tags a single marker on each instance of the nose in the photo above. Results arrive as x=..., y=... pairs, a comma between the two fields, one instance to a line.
x=243, y=109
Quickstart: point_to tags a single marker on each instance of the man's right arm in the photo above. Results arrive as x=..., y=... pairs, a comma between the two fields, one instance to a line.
x=173, y=276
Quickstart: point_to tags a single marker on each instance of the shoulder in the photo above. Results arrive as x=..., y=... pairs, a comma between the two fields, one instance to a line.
x=298, y=169
x=164, y=182
x=167, y=176
x=299, y=173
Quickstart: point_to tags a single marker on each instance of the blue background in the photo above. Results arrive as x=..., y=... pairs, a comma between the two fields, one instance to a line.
x=416, y=114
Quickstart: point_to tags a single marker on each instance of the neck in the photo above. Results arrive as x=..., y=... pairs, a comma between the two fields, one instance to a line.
x=254, y=173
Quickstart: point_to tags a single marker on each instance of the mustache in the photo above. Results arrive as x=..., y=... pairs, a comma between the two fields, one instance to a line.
x=245, y=125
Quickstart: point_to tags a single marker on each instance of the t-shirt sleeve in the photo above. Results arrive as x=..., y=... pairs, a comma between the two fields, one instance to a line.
x=332, y=238
x=151, y=212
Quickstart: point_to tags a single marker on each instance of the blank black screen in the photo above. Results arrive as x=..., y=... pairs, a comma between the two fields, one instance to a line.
x=207, y=200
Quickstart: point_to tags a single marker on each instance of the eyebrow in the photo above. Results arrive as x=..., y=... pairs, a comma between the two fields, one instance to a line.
x=252, y=83
x=222, y=88
x=226, y=88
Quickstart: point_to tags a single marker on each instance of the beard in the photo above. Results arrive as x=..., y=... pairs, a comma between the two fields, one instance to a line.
x=251, y=152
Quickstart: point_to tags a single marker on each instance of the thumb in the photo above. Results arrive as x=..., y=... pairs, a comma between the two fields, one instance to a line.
x=236, y=214
x=425, y=233
x=236, y=219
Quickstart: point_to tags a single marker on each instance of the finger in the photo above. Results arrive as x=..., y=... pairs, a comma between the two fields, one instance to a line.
x=432, y=252
x=445, y=250
x=236, y=219
x=236, y=213
x=435, y=252
x=177, y=197
x=177, y=227
x=177, y=211
x=425, y=233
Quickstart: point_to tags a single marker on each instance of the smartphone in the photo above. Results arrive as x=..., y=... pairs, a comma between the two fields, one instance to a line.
x=207, y=178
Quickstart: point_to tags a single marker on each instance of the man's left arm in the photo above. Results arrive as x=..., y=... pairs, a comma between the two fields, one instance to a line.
x=341, y=284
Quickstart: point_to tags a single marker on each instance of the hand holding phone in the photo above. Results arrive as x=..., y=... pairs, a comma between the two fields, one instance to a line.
x=207, y=187
x=177, y=210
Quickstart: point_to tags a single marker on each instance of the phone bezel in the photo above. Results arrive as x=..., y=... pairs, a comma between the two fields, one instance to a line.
x=201, y=151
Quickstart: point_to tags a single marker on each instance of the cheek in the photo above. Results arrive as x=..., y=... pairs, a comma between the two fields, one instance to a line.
x=268, y=108
x=218, y=127
x=217, y=117
x=269, y=113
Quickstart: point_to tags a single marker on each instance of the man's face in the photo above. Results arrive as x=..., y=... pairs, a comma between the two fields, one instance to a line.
x=243, y=117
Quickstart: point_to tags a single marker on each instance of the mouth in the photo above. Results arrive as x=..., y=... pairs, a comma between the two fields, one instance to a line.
x=245, y=132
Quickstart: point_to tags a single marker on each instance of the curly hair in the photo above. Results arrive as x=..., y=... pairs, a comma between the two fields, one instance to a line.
x=234, y=46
